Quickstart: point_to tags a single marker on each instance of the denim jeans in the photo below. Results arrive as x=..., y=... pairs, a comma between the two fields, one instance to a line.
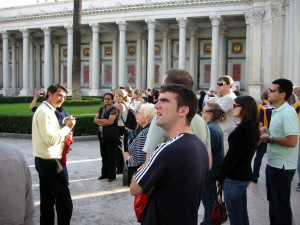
x=235, y=195
x=260, y=151
x=209, y=196
x=278, y=194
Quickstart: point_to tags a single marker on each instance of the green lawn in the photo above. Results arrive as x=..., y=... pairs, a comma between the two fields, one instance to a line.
x=23, y=108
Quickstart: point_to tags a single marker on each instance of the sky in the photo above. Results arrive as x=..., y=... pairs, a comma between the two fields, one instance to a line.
x=12, y=3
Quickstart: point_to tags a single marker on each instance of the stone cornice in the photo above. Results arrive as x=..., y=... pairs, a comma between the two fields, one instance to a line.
x=119, y=8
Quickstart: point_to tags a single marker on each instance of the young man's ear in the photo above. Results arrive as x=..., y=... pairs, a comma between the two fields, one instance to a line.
x=183, y=110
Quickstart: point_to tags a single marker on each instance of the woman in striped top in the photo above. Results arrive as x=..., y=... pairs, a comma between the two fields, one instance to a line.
x=136, y=157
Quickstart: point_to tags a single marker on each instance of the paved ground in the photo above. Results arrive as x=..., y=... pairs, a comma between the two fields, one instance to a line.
x=100, y=202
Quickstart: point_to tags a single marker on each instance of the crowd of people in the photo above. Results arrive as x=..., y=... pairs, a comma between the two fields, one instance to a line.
x=182, y=151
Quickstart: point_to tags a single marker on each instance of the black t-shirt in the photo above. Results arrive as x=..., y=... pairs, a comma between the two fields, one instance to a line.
x=178, y=171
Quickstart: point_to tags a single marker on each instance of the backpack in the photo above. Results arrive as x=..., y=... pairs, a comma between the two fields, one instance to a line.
x=130, y=122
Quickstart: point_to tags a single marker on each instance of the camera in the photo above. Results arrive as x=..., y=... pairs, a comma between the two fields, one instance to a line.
x=42, y=93
x=150, y=89
x=112, y=89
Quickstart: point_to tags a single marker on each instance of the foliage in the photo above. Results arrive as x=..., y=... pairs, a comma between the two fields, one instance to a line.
x=21, y=124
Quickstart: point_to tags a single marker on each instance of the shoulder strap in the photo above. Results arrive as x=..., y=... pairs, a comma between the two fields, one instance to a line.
x=121, y=113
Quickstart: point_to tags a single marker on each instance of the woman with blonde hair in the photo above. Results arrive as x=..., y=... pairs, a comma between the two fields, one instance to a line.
x=123, y=106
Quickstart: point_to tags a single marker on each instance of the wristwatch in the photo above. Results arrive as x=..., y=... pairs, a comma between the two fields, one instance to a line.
x=270, y=140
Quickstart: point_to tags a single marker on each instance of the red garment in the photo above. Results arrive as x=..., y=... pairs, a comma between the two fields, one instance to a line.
x=67, y=143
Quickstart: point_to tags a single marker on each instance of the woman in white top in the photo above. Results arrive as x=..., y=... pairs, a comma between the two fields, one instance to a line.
x=122, y=106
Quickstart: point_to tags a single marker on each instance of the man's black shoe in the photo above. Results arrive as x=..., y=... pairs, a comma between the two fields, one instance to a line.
x=102, y=177
x=254, y=180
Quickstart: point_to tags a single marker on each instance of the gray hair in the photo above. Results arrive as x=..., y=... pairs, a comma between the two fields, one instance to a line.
x=149, y=110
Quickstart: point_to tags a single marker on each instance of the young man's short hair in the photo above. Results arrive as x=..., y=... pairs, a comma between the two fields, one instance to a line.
x=54, y=87
x=227, y=79
x=178, y=76
x=285, y=86
x=184, y=97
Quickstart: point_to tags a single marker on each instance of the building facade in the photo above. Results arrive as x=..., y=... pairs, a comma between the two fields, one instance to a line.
x=134, y=42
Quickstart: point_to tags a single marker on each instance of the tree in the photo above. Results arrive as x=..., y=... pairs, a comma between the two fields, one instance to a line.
x=76, y=65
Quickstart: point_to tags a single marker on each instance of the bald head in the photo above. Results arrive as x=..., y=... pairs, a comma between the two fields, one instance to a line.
x=178, y=76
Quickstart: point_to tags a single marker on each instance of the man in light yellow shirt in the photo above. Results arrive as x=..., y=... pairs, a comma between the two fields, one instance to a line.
x=47, y=141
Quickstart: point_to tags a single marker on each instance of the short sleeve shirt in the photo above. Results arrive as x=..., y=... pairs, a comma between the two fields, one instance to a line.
x=177, y=170
x=284, y=123
x=157, y=135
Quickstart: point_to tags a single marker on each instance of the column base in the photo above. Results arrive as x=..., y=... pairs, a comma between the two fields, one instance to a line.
x=254, y=90
x=95, y=92
x=26, y=92
x=10, y=92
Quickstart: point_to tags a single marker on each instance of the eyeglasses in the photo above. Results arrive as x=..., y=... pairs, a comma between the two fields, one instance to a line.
x=272, y=90
x=203, y=110
x=236, y=105
x=221, y=84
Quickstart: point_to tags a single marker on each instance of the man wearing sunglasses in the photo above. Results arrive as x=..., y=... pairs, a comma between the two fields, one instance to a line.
x=225, y=84
x=282, y=152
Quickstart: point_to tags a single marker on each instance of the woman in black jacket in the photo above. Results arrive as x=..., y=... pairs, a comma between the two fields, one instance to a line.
x=235, y=173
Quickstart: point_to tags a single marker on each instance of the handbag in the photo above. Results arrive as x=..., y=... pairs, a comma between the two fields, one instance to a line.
x=110, y=133
x=140, y=203
x=219, y=212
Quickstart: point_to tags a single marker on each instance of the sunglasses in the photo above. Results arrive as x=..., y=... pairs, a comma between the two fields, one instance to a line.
x=221, y=84
x=272, y=90
x=236, y=105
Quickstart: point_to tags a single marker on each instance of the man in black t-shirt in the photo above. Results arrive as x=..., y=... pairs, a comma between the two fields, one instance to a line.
x=177, y=171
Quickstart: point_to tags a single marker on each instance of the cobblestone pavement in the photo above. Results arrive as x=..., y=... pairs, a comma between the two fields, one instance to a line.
x=100, y=202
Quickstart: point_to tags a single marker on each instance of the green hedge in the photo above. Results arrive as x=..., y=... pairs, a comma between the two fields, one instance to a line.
x=21, y=124
x=68, y=102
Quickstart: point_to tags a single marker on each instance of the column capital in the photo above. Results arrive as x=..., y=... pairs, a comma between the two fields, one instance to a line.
x=95, y=27
x=192, y=30
x=25, y=33
x=5, y=34
x=257, y=15
x=247, y=18
x=151, y=23
x=13, y=41
x=115, y=35
x=215, y=20
x=165, y=32
x=69, y=29
x=122, y=25
x=182, y=21
x=47, y=31
x=223, y=30
x=140, y=33
x=284, y=4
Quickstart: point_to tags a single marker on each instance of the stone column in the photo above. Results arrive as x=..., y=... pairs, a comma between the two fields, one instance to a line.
x=14, y=65
x=114, y=65
x=296, y=50
x=69, y=29
x=182, y=42
x=256, y=59
x=193, y=54
x=151, y=55
x=144, y=62
x=165, y=34
x=248, y=50
x=25, y=90
x=38, y=83
x=47, y=57
x=5, y=62
x=31, y=66
x=95, y=91
x=222, y=50
x=215, y=21
x=139, y=58
x=122, y=53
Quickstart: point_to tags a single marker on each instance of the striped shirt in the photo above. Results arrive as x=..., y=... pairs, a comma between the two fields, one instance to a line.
x=137, y=156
